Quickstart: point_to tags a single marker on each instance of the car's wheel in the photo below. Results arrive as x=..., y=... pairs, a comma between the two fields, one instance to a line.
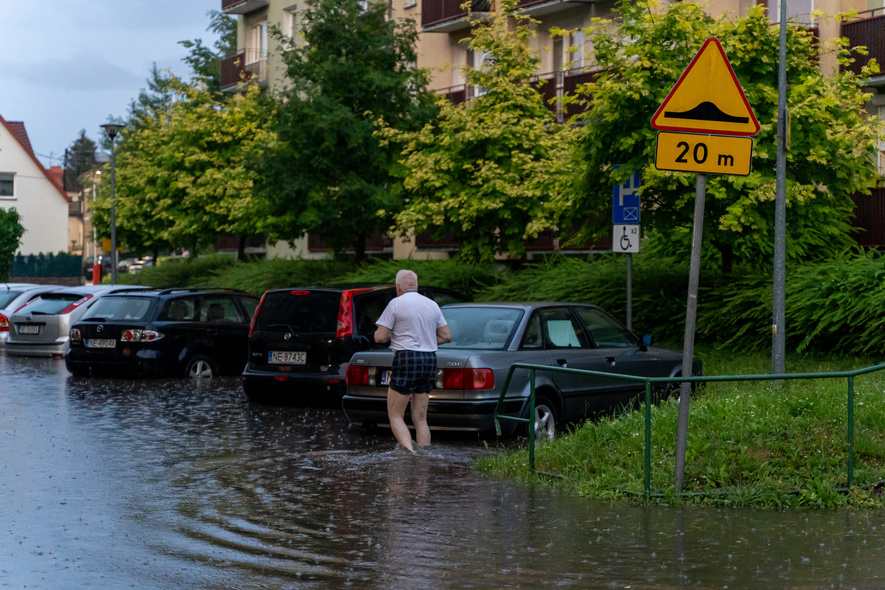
x=545, y=420
x=199, y=367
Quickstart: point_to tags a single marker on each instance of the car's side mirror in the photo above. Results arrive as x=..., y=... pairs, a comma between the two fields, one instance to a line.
x=646, y=340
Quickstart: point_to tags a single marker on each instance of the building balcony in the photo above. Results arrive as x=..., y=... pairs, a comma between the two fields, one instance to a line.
x=242, y=6
x=867, y=30
x=552, y=85
x=537, y=8
x=248, y=65
x=446, y=16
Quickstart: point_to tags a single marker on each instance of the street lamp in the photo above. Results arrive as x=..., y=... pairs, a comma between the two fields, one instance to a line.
x=112, y=129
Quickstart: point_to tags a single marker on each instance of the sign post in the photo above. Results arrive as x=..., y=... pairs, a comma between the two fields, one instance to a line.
x=705, y=126
x=625, y=230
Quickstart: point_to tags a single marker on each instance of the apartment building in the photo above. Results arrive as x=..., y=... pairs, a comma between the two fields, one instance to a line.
x=564, y=63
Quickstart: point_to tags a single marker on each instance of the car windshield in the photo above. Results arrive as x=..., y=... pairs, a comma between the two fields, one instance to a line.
x=51, y=303
x=299, y=310
x=481, y=328
x=120, y=308
x=7, y=297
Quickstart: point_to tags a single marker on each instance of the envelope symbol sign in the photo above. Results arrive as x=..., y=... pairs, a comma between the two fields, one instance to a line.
x=631, y=214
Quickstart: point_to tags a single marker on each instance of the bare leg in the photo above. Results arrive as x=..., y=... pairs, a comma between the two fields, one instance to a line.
x=396, y=411
x=420, y=401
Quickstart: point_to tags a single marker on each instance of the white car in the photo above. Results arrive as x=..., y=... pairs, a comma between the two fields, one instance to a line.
x=42, y=327
x=14, y=296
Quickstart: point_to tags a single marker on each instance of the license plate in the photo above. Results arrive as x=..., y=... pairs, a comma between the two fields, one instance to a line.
x=385, y=377
x=275, y=357
x=100, y=343
x=31, y=329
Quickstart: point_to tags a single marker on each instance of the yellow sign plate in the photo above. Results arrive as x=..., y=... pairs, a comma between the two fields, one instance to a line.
x=707, y=98
x=704, y=154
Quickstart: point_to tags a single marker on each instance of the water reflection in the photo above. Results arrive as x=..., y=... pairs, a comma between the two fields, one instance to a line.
x=164, y=484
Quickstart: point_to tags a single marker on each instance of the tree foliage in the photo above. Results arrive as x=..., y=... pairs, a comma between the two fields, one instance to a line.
x=486, y=170
x=205, y=63
x=182, y=177
x=79, y=158
x=327, y=173
x=11, y=232
x=830, y=156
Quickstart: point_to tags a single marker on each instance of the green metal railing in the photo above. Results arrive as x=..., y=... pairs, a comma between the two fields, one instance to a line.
x=649, y=381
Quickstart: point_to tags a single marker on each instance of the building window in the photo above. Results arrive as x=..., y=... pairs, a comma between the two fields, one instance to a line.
x=289, y=22
x=798, y=11
x=7, y=184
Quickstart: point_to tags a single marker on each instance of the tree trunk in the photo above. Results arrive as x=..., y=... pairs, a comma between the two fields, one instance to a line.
x=241, y=249
x=359, y=249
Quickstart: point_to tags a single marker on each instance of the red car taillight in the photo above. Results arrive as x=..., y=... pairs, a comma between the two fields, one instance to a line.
x=255, y=315
x=4, y=323
x=345, y=313
x=76, y=304
x=76, y=336
x=140, y=336
x=470, y=379
x=357, y=375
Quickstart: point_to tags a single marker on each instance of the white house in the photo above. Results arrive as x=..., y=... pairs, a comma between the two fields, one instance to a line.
x=27, y=187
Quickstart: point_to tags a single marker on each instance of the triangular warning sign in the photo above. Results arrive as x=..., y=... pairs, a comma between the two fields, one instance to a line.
x=707, y=98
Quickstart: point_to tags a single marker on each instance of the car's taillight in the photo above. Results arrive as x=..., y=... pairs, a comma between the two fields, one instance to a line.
x=345, y=316
x=76, y=304
x=357, y=375
x=140, y=336
x=76, y=336
x=470, y=379
x=4, y=323
x=255, y=315
x=345, y=313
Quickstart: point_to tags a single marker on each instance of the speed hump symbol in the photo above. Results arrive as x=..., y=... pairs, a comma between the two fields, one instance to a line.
x=625, y=238
x=707, y=98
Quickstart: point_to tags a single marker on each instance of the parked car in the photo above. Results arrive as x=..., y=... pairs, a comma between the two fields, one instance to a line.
x=14, y=296
x=301, y=340
x=488, y=338
x=139, y=264
x=196, y=333
x=41, y=327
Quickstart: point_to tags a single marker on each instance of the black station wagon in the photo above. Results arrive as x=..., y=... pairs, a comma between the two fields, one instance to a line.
x=196, y=333
x=301, y=339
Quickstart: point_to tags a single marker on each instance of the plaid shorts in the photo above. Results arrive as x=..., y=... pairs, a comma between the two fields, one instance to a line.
x=413, y=372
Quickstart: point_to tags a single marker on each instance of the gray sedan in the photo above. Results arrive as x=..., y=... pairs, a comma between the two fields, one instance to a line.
x=488, y=338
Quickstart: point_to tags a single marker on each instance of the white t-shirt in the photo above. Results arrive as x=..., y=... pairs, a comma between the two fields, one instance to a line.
x=412, y=320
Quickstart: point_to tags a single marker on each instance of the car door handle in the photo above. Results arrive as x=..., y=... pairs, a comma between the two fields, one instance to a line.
x=610, y=360
x=562, y=363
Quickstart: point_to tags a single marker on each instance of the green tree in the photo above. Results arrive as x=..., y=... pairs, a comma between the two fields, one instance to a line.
x=11, y=232
x=830, y=156
x=327, y=173
x=486, y=170
x=205, y=63
x=79, y=158
x=183, y=178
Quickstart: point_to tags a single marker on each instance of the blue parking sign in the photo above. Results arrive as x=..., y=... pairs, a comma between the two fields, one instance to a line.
x=625, y=207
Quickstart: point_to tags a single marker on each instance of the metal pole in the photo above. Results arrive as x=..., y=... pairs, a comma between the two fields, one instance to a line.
x=113, y=218
x=629, y=291
x=778, y=329
x=96, y=264
x=690, y=321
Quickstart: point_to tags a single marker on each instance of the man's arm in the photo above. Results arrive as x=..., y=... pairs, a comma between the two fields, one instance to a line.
x=443, y=335
x=382, y=334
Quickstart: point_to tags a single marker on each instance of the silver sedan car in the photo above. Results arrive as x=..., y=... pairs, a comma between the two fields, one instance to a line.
x=42, y=327
x=12, y=297
x=488, y=338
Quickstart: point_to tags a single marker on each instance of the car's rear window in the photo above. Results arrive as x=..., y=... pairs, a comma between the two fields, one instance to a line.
x=51, y=303
x=481, y=328
x=7, y=297
x=120, y=309
x=299, y=310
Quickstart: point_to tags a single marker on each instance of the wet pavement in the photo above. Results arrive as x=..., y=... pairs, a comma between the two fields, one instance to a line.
x=163, y=484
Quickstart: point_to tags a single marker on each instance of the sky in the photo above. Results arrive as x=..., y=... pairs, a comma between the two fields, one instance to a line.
x=69, y=65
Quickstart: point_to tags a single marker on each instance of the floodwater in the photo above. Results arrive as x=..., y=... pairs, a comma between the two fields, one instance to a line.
x=167, y=485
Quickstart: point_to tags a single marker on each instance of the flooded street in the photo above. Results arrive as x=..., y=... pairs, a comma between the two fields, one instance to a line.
x=162, y=484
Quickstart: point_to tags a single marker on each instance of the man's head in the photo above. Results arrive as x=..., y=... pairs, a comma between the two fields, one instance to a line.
x=406, y=280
